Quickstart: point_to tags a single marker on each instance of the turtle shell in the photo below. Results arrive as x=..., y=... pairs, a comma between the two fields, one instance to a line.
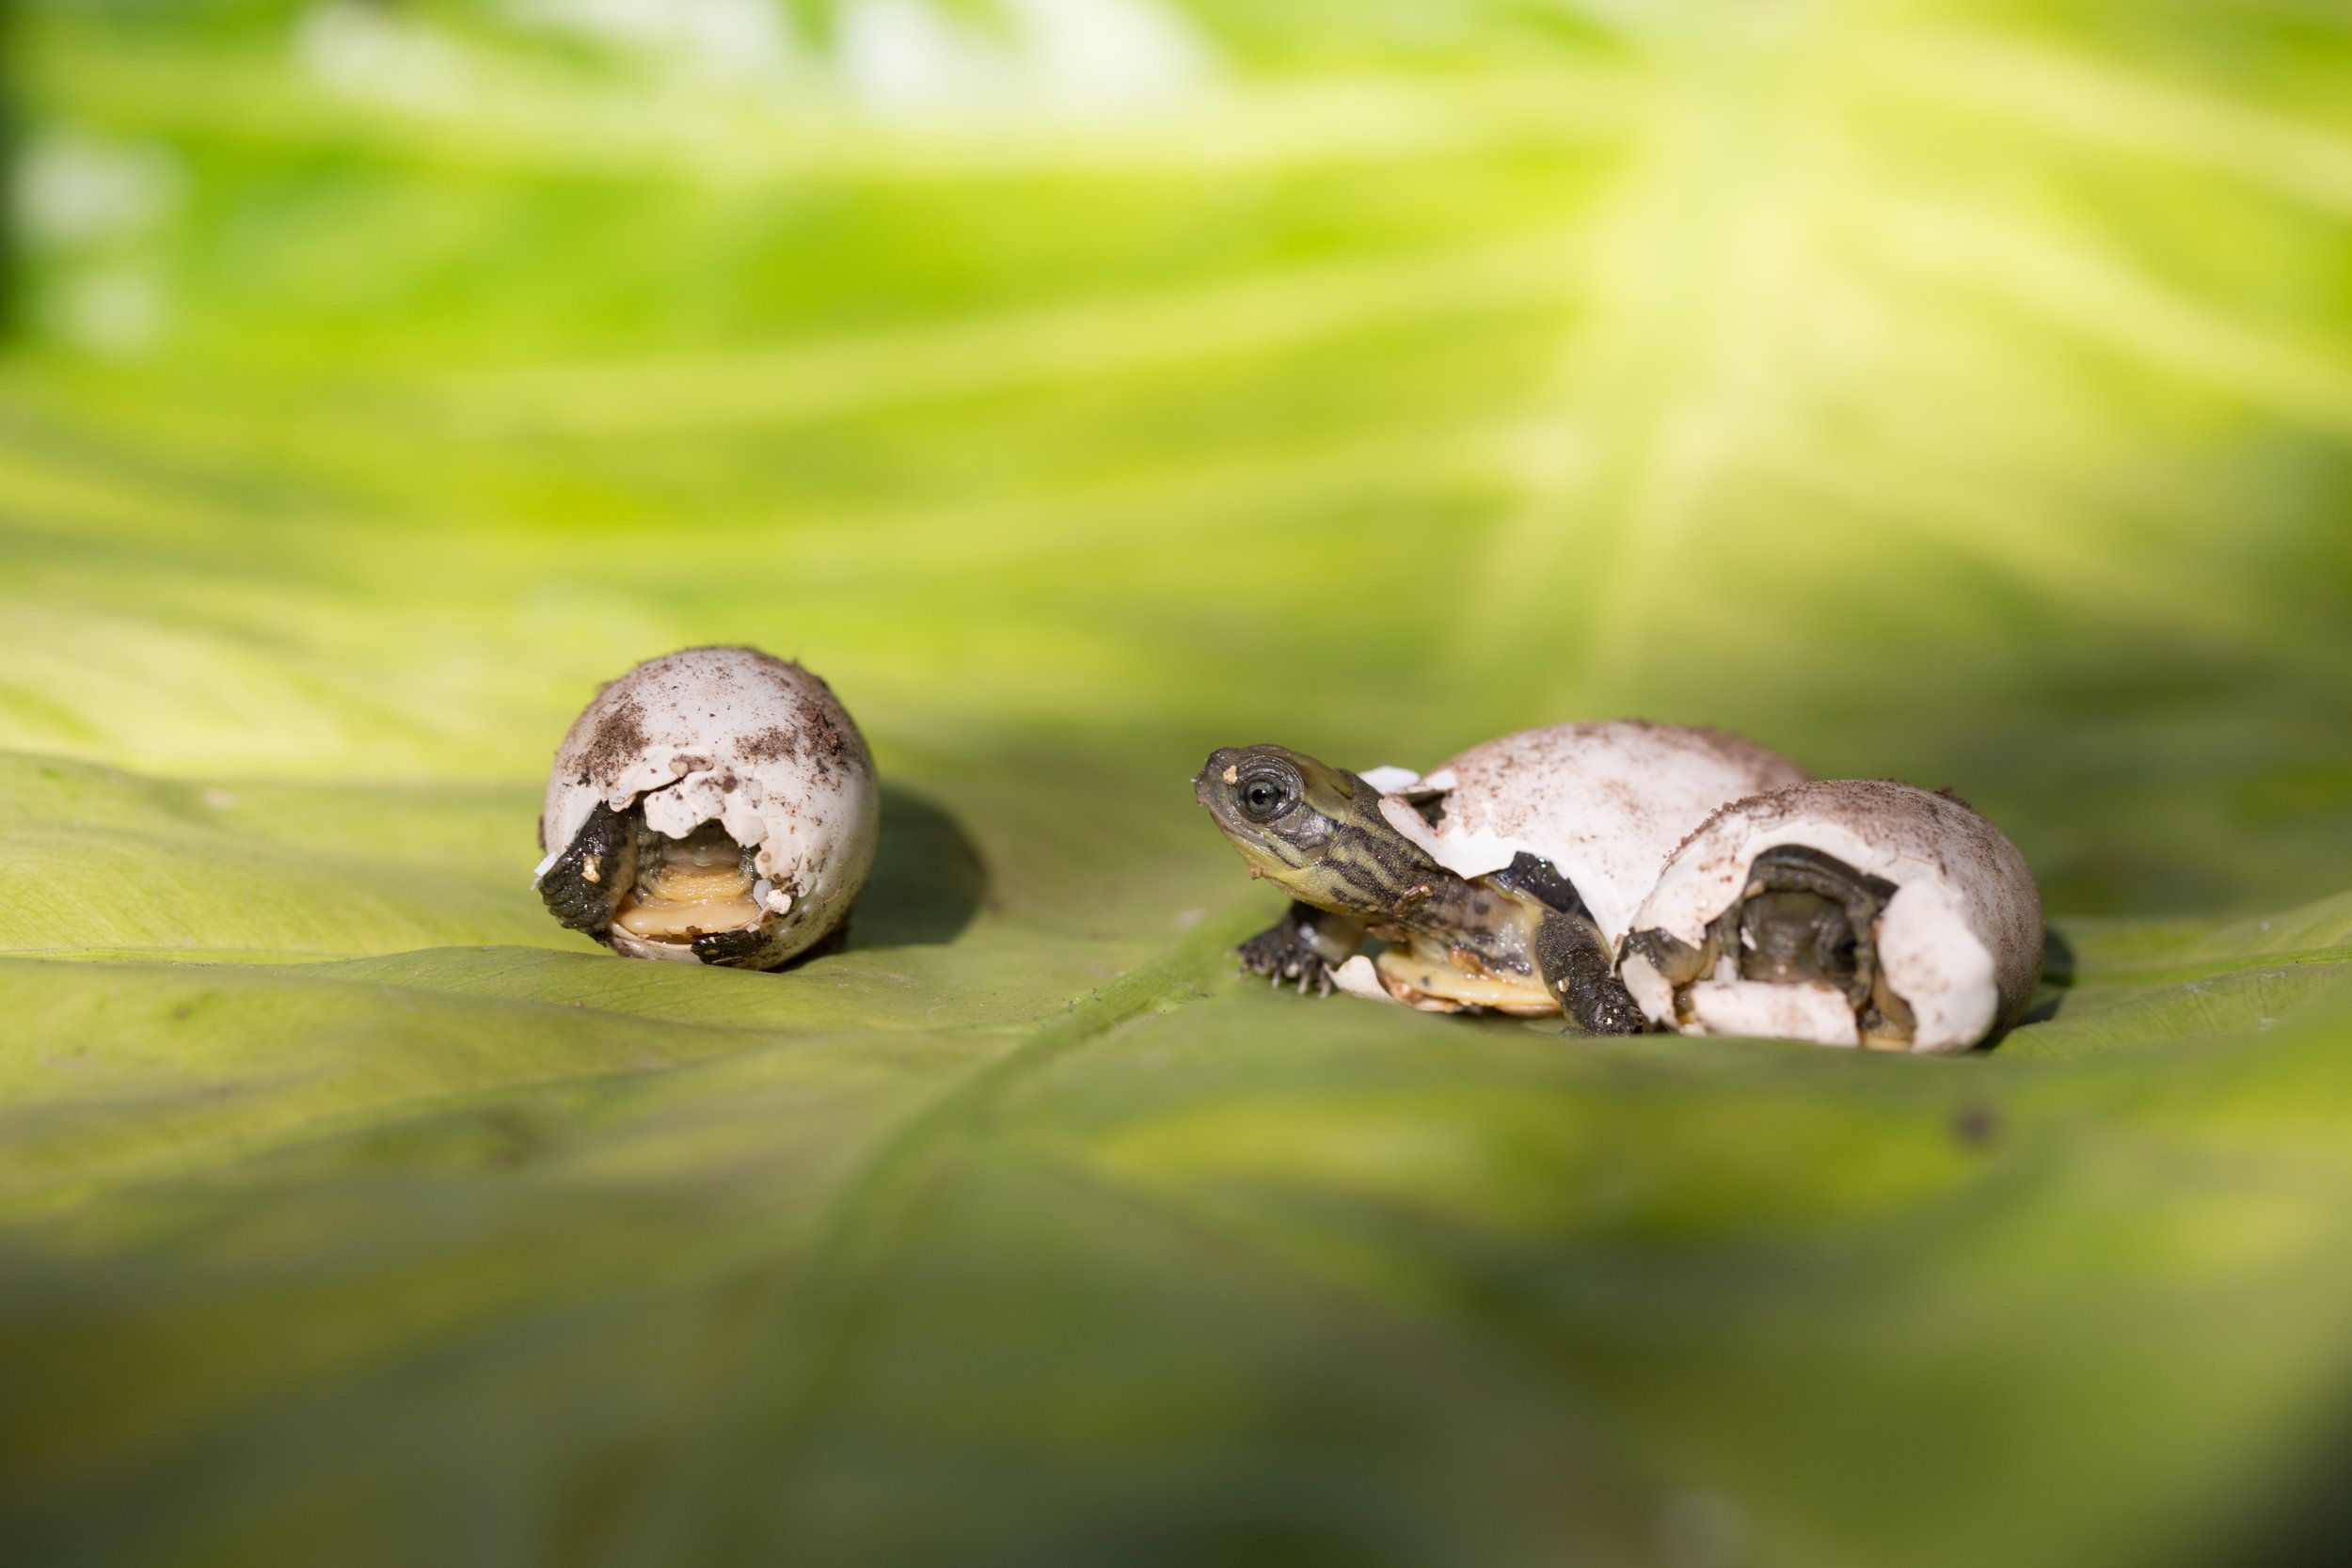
x=1605, y=803
x=1960, y=940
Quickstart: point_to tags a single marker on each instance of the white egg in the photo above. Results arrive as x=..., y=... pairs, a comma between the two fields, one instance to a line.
x=1948, y=946
x=715, y=805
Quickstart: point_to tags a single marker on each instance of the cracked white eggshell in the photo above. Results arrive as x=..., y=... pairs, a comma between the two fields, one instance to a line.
x=1754, y=1009
x=1605, y=803
x=1359, y=977
x=756, y=743
x=1960, y=941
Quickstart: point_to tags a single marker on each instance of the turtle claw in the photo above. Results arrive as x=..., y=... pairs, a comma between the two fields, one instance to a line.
x=584, y=885
x=1605, y=1008
x=1676, y=961
x=1302, y=948
x=1277, y=953
x=1573, y=957
x=733, y=949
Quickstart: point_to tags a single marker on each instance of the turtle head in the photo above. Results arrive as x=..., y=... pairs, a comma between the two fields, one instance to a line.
x=1313, y=829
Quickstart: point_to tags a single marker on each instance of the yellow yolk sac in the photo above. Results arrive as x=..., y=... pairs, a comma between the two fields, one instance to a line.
x=689, y=887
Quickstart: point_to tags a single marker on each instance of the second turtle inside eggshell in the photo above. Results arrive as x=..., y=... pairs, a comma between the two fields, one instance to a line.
x=1844, y=912
x=714, y=805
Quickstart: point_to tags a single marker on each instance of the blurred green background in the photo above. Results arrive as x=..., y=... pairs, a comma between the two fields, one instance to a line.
x=1961, y=392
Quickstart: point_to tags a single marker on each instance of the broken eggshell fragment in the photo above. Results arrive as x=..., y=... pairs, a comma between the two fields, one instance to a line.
x=715, y=805
x=1844, y=912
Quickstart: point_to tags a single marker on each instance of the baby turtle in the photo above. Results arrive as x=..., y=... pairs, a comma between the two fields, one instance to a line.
x=714, y=805
x=1505, y=878
x=1849, y=911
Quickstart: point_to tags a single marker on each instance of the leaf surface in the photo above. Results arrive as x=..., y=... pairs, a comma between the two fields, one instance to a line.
x=1955, y=392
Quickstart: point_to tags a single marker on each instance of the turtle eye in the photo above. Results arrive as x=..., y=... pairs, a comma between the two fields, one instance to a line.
x=1266, y=796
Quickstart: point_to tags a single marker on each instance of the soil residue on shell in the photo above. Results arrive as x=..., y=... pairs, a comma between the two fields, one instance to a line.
x=1774, y=806
x=773, y=744
x=1728, y=744
x=817, y=733
x=618, y=740
x=829, y=744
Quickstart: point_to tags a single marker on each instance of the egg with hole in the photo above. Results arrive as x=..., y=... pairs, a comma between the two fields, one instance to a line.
x=715, y=805
x=1848, y=912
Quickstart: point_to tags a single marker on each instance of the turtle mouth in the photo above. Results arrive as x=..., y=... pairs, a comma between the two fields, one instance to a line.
x=1212, y=786
x=1262, y=852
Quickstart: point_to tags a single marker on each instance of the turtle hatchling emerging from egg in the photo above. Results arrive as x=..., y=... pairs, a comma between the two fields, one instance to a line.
x=716, y=805
x=1505, y=877
x=1847, y=911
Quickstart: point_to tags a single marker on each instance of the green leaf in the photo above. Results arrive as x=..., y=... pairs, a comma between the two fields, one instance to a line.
x=1955, y=392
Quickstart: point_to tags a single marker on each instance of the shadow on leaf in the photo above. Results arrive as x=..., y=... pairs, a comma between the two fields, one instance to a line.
x=928, y=879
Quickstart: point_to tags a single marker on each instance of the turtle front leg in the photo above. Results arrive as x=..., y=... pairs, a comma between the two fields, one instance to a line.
x=1573, y=957
x=584, y=885
x=1305, y=945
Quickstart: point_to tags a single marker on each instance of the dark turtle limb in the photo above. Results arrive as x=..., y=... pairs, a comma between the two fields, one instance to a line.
x=1570, y=952
x=1676, y=961
x=1542, y=882
x=1573, y=958
x=1305, y=945
x=748, y=948
x=733, y=949
x=584, y=885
